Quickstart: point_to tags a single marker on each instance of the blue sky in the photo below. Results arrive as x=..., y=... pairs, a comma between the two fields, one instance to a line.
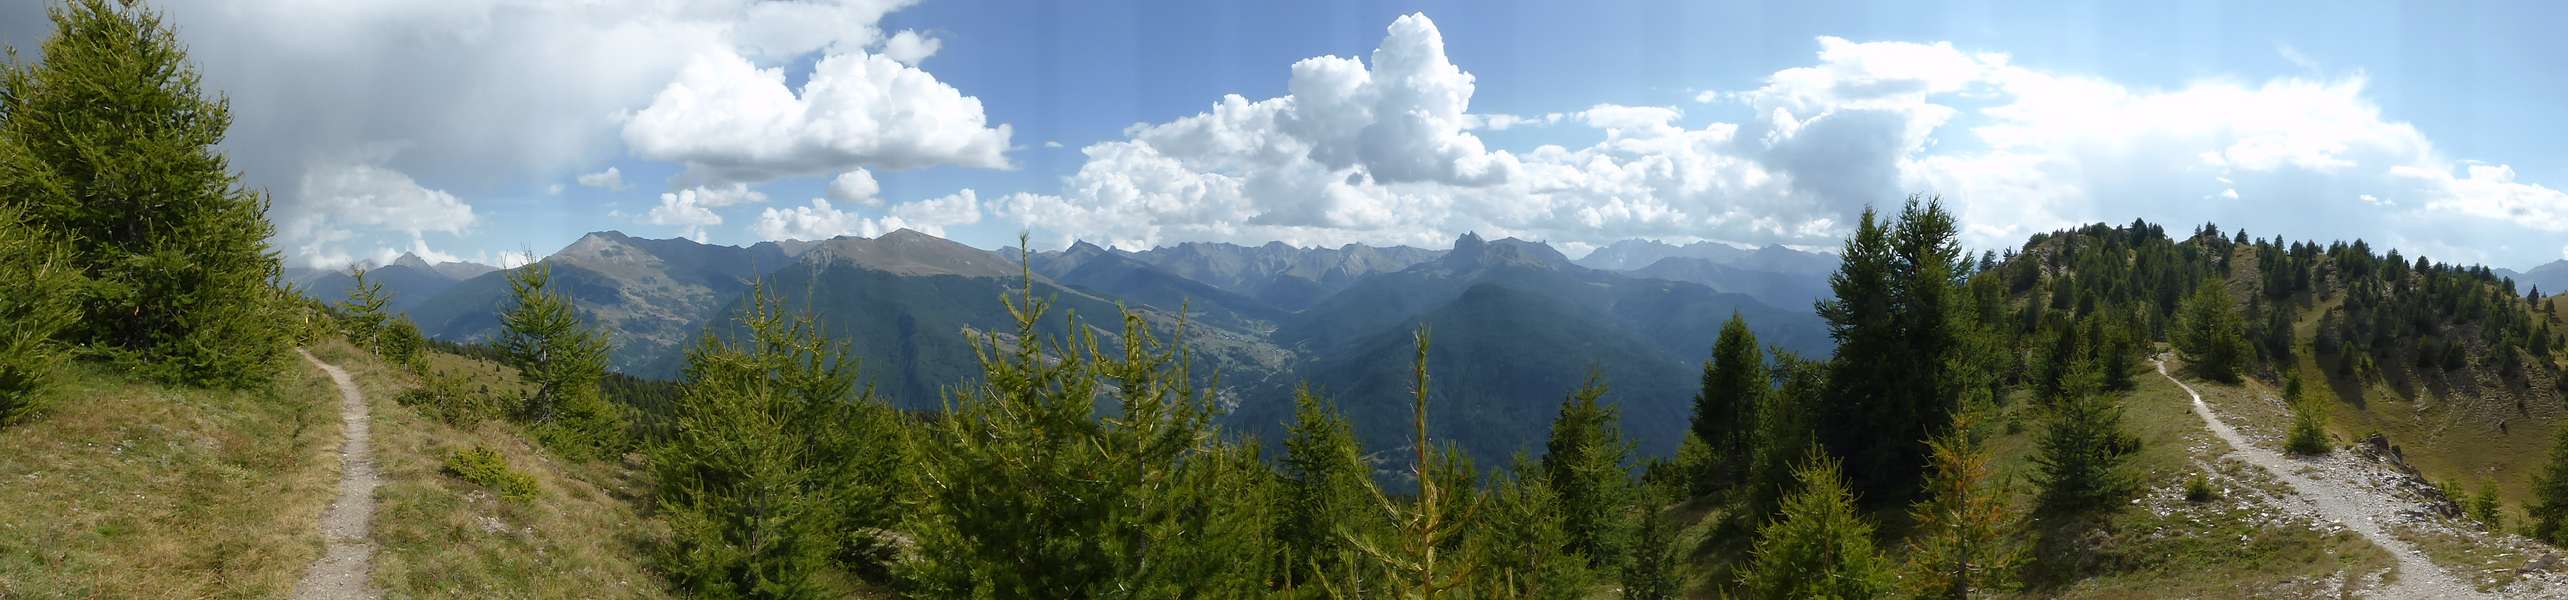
x=463, y=128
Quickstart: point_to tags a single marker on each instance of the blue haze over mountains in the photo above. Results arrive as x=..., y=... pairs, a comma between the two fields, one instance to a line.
x=1516, y=324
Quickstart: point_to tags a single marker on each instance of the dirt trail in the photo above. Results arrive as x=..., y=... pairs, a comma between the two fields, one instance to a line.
x=345, y=569
x=2361, y=508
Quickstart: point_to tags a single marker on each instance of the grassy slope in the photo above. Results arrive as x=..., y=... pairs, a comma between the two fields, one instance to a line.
x=582, y=536
x=127, y=489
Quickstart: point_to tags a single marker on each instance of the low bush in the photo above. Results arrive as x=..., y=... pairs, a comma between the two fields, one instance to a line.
x=486, y=467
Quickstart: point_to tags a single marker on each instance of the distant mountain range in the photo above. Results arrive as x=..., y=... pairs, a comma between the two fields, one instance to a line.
x=2552, y=278
x=409, y=280
x=1516, y=324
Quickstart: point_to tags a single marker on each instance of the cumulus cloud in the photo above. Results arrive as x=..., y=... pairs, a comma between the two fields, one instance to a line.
x=730, y=120
x=1383, y=152
x=855, y=187
x=909, y=47
x=609, y=179
x=337, y=199
x=821, y=220
x=498, y=93
x=685, y=210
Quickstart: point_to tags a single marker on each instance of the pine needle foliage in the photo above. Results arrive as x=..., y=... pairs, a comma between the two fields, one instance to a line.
x=1962, y=540
x=2550, y=495
x=563, y=360
x=1820, y=547
x=779, y=468
x=2211, y=335
x=363, y=311
x=1525, y=551
x=36, y=283
x=1431, y=524
x=1320, y=491
x=1735, y=384
x=109, y=144
x=1651, y=574
x=1584, y=464
x=1023, y=492
x=2084, y=454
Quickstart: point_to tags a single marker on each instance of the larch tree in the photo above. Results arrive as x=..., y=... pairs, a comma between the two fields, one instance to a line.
x=778, y=468
x=2211, y=335
x=2550, y=495
x=109, y=144
x=1820, y=547
x=564, y=361
x=1961, y=544
x=1583, y=463
x=1023, y=491
x=1320, y=490
x=36, y=283
x=364, y=308
x=1735, y=383
x=2083, y=450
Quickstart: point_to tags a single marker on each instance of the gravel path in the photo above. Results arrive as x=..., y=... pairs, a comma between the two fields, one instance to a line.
x=345, y=569
x=2361, y=508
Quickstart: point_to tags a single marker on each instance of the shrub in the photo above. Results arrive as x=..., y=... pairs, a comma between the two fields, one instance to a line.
x=447, y=399
x=2309, y=430
x=486, y=467
x=2198, y=489
x=2488, y=509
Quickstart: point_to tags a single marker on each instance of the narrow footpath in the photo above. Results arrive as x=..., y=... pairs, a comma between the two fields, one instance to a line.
x=346, y=567
x=2360, y=508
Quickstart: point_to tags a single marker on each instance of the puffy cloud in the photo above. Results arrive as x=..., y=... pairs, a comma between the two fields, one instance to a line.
x=609, y=179
x=336, y=199
x=720, y=196
x=821, y=220
x=909, y=47
x=730, y=120
x=496, y=93
x=855, y=187
x=1383, y=152
x=686, y=211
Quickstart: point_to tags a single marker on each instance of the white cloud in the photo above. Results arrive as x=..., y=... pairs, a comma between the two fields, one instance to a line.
x=856, y=187
x=821, y=220
x=553, y=190
x=496, y=93
x=609, y=179
x=1051, y=144
x=1383, y=153
x=910, y=47
x=686, y=211
x=721, y=196
x=336, y=200
x=730, y=120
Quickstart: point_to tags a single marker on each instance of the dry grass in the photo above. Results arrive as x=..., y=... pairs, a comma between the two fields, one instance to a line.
x=128, y=489
x=581, y=536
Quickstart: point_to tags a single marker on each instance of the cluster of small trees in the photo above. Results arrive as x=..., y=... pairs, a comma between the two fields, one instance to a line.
x=123, y=234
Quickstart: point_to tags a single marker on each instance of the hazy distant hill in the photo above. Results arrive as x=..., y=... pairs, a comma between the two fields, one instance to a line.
x=1283, y=276
x=409, y=280
x=1632, y=255
x=1518, y=324
x=2551, y=277
x=1115, y=275
x=649, y=295
x=1781, y=289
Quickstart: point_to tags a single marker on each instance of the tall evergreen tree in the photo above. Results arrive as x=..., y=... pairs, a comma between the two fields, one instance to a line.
x=364, y=308
x=109, y=143
x=1820, y=547
x=1785, y=434
x=36, y=284
x=2084, y=452
x=1725, y=411
x=2211, y=335
x=1961, y=542
x=2550, y=495
x=1525, y=551
x=1583, y=462
x=1426, y=527
x=1894, y=383
x=1321, y=490
x=564, y=361
x=779, y=468
x=1651, y=574
x=1024, y=492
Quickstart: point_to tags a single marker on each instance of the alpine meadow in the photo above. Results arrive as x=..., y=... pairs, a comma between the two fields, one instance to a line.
x=1210, y=300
